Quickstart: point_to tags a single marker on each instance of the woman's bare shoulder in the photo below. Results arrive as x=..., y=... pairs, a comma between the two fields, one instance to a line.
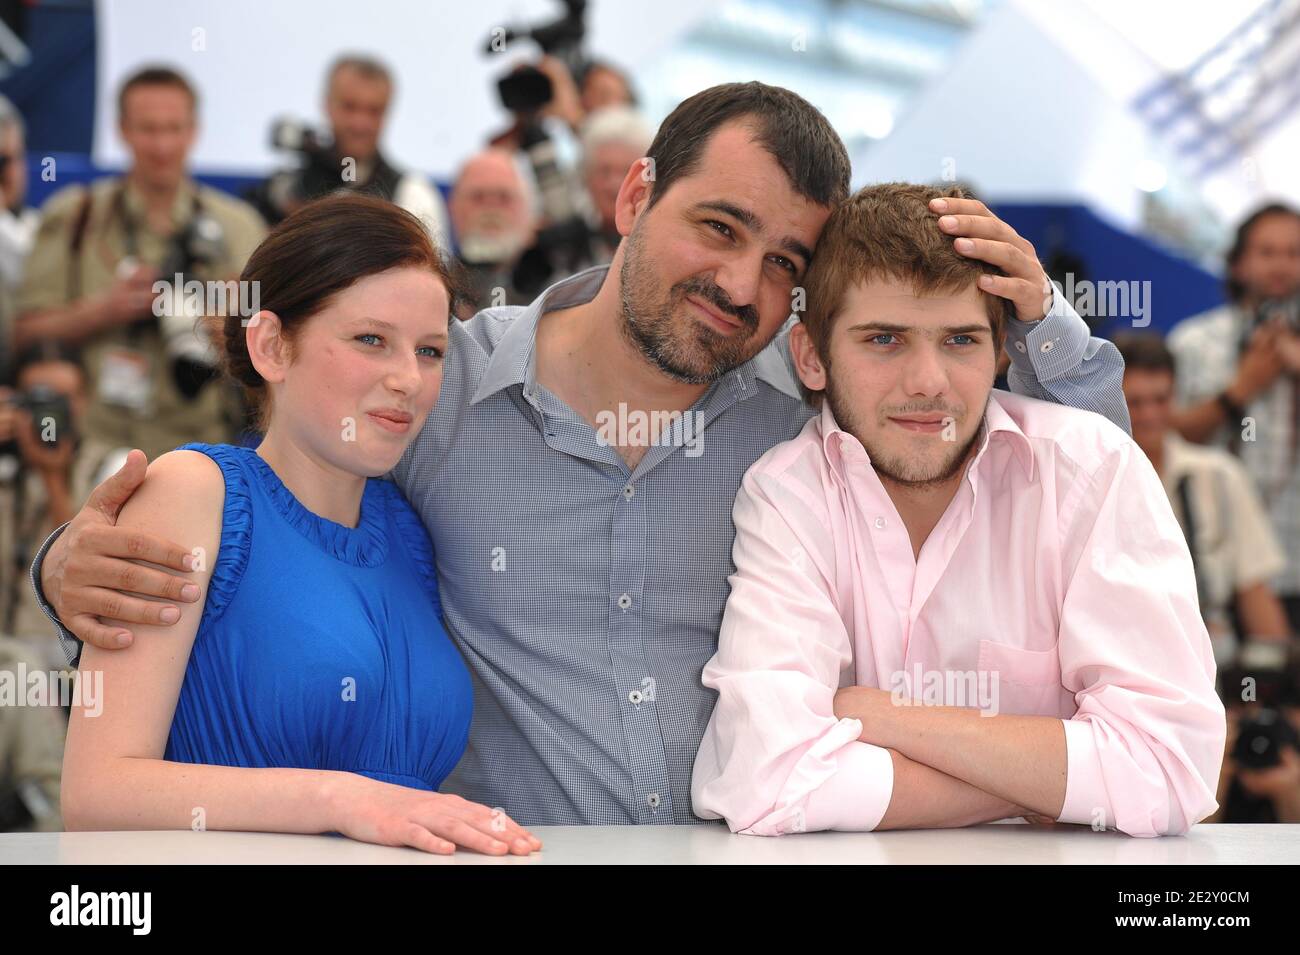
x=182, y=494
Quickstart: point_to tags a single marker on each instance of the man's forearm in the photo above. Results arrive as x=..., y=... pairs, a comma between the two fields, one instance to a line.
x=925, y=798
x=1262, y=614
x=1288, y=807
x=1021, y=759
x=1200, y=422
x=70, y=323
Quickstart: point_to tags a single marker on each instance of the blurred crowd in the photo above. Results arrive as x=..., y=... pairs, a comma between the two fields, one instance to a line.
x=95, y=361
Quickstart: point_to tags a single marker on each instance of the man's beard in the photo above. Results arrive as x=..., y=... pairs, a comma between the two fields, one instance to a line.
x=492, y=239
x=685, y=350
x=902, y=470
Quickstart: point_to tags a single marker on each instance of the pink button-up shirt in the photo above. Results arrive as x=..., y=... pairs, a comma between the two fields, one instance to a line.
x=1057, y=583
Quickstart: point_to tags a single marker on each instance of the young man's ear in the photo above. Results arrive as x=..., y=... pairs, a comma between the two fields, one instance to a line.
x=806, y=360
x=634, y=194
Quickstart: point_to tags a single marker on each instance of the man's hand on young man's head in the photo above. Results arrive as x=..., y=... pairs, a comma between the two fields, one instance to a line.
x=91, y=571
x=979, y=234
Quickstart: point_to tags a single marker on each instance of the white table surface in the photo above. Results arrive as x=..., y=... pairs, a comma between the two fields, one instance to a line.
x=681, y=845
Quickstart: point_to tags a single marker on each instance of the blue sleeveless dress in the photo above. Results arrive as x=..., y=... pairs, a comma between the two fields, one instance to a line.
x=321, y=646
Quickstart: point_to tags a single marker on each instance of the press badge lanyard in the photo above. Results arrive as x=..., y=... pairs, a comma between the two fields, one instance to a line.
x=130, y=237
x=117, y=207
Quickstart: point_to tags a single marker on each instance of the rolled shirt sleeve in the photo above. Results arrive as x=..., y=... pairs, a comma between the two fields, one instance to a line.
x=1145, y=747
x=1056, y=359
x=774, y=758
x=71, y=645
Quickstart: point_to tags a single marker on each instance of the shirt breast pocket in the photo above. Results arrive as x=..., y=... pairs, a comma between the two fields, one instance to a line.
x=1023, y=682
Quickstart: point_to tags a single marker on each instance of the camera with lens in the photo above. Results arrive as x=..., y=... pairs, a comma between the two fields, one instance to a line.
x=315, y=173
x=51, y=414
x=526, y=91
x=1283, y=311
x=564, y=244
x=1261, y=737
x=182, y=305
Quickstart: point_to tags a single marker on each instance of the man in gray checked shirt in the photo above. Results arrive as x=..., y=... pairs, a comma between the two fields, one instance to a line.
x=578, y=472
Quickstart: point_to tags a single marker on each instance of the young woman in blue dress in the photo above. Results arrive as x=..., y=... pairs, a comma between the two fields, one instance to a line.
x=313, y=689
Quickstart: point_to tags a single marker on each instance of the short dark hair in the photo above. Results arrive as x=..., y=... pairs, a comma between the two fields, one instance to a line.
x=156, y=76
x=591, y=67
x=1236, y=291
x=1145, y=351
x=368, y=66
x=790, y=128
x=320, y=250
x=45, y=350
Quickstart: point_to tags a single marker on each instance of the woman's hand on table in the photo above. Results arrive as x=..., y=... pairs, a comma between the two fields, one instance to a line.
x=390, y=815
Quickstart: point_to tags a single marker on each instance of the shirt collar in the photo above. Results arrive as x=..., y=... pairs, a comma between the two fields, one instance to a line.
x=513, y=360
x=182, y=206
x=998, y=425
x=1179, y=456
x=771, y=365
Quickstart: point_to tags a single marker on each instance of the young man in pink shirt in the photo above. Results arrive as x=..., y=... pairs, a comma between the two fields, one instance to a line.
x=950, y=605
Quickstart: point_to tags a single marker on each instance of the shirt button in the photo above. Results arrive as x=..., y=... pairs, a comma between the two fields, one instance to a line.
x=624, y=601
x=881, y=523
x=635, y=697
x=652, y=800
x=628, y=491
x=1020, y=347
x=1045, y=347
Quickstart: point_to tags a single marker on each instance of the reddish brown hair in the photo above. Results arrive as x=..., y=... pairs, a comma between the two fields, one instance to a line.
x=321, y=249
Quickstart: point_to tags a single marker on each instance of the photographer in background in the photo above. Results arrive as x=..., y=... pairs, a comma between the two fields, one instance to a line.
x=603, y=86
x=358, y=92
x=18, y=223
x=90, y=279
x=47, y=468
x=31, y=751
x=1234, y=552
x=1260, y=780
x=495, y=223
x=612, y=139
x=545, y=104
x=1239, y=375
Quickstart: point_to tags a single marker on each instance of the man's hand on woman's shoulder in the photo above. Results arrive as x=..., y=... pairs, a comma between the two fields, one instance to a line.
x=99, y=564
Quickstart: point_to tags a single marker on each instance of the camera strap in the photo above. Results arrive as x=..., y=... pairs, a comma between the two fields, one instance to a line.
x=1184, y=491
x=75, y=241
x=130, y=227
x=81, y=223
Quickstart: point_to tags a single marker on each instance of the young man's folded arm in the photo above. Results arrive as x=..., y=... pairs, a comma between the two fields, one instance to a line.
x=1146, y=745
x=775, y=759
x=1142, y=754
